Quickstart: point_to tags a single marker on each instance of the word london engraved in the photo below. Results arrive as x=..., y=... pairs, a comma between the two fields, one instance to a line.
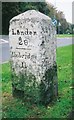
x=33, y=57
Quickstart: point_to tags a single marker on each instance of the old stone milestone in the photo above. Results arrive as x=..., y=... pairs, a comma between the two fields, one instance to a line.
x=33, y=57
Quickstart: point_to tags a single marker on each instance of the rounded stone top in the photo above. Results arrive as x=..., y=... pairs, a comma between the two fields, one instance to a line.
x=30, y=14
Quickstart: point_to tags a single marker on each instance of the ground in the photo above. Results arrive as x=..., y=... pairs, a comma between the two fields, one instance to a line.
x=16, y=108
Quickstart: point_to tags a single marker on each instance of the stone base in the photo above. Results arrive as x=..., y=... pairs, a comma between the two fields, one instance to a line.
x=49, y=86
x=44, y=93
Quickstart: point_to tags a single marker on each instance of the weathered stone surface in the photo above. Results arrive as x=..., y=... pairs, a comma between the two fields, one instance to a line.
x=33, y=56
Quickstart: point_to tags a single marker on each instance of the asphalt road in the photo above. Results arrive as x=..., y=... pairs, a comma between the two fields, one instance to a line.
x=4, y=47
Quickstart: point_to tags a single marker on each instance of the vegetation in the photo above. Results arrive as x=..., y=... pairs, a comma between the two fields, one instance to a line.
x=65, y=35
x=16, y=108
x=11, y=9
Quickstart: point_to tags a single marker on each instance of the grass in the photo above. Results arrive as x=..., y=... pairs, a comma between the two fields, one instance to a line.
x=16, y=108
x=65, y=35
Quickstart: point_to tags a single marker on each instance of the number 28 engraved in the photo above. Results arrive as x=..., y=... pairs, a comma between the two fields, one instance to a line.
x=21, y=42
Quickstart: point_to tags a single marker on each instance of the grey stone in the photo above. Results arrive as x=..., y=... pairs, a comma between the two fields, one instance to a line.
x=33, y=57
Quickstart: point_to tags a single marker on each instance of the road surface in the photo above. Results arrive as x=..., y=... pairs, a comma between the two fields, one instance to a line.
x=4, y=47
